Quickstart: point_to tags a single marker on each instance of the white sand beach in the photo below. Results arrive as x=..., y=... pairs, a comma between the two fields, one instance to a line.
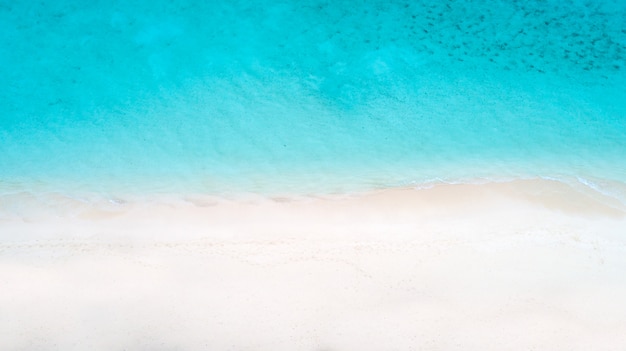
x=524, y=265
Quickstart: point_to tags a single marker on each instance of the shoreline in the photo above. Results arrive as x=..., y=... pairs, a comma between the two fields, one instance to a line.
x=519, y=265
x=552, y=192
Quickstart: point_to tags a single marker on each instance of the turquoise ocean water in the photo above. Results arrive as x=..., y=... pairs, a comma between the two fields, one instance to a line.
x=214, y=97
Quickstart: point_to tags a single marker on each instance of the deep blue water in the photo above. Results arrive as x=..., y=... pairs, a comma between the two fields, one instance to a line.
x=308, y=96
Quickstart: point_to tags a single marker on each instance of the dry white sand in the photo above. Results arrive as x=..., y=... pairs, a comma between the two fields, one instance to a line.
x=527, y=265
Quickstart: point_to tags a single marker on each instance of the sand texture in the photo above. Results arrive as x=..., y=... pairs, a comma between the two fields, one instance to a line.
x=525, y=265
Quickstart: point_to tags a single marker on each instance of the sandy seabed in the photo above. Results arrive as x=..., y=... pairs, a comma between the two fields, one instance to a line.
x=524, y=265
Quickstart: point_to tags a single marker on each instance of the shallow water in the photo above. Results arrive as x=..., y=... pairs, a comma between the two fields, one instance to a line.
x=309, y=96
